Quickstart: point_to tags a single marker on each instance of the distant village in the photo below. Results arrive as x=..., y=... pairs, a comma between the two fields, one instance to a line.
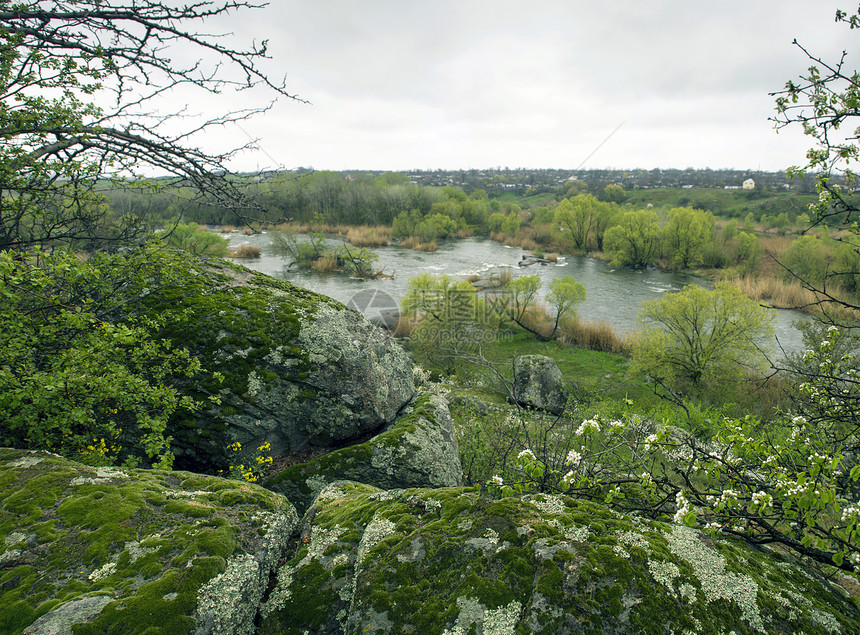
x=524, y=181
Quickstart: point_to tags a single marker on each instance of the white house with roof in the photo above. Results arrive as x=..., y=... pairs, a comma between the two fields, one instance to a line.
x=749, y=184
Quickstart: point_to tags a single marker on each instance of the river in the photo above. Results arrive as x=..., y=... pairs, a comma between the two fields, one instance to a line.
x=613, y=295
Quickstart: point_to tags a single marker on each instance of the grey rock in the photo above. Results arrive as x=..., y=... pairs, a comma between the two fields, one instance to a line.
x=61, y=619
x=538, y=383
x=297, y=368
x=418, y=449
x=451, y=561
x=132, y=551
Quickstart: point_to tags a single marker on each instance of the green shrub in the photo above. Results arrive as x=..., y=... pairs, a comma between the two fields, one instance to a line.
x=75, y=377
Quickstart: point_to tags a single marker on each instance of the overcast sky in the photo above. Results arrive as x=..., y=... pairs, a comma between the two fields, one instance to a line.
x=408, y=84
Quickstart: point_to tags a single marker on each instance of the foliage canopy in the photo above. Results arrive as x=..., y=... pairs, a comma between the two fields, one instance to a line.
x=698, y=337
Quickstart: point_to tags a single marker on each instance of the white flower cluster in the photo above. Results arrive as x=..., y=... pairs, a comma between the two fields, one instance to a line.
x=650, y=440
x=851, y=513
x=762, y=498
x=729, y=497
x=568, y=478
x=683, y=508
x=574, y=458
x=527, y=453
x=816, y=457
x=792, y=489
x=618, y=424
x=588, y=425
x=497, y=480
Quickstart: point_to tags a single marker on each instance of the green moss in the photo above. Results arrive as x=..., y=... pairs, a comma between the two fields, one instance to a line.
x=16, y=615
x=149, y=607
x=310, y=598
x=129, y=536
x=486, y=556
x=27, y=499
x=549, y=582
x=217, y=542
x=231, y=328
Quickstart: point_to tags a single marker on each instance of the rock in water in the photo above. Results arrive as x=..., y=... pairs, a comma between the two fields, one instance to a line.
x=417, y=450
x=132, y=551
x=538, y=383
x=450, y=561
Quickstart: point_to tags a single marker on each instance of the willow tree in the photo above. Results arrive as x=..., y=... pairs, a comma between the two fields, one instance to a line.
x=698, y=337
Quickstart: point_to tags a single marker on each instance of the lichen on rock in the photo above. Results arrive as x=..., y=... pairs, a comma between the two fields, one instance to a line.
x=295, y=367
x=110, y=550
x=471, y=564
x=418, y=449
x=539, y=384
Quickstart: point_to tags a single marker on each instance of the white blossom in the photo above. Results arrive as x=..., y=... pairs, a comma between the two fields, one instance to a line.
x=683, y=508
x=587, y=426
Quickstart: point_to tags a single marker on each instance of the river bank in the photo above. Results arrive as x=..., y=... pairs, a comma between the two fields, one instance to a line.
x=613, y=295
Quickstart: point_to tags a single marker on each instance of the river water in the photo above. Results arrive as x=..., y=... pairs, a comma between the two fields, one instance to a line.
x=613, y=295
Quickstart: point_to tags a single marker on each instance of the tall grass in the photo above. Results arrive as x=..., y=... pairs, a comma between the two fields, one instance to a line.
x=369, y=236
x=413, y=242
x=246, y=251
x=593, y=335
x=325, y=263
x=780, y=293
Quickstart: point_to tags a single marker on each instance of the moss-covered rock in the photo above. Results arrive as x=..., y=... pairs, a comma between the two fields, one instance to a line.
x=418, y=450
x=290, y=367
x=538, y=383
x=108, y=550
x=451, y=561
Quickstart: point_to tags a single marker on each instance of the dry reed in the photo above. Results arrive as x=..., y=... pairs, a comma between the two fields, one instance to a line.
x=405, y=326
x=593, y=335
x=246, y=251
x=413, y=242
x=780, y=293
x=528, y=243
x=325, y=263
x=369, y=236
x=793, y=295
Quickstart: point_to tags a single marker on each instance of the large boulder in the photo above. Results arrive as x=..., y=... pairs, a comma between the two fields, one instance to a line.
x=114, y=550
x=418, y=450
x=538, y=383
x=452, y=561
x=289, y=367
